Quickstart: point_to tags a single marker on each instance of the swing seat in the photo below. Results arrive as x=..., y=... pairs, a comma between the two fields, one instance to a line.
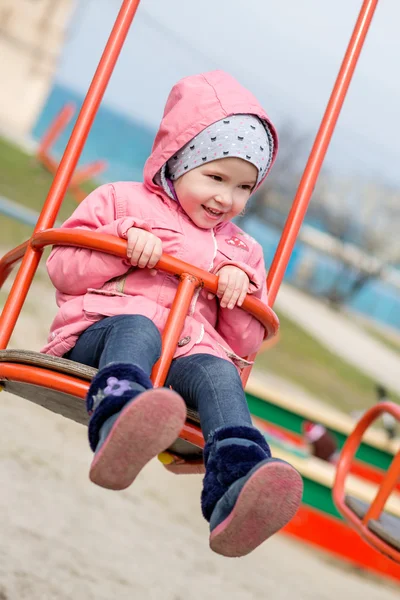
x=39, y=378
x=61, y=385
x=386, y=527
x=377, y=526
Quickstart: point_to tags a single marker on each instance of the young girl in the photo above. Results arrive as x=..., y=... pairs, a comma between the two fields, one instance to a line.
x=214, y=147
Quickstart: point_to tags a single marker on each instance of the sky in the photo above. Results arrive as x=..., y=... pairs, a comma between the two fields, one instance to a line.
x=287, y=52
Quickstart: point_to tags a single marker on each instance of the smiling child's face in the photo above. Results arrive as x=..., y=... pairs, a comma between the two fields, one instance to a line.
x=217, y=191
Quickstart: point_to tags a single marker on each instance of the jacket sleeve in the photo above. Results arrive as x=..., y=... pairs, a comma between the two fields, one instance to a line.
x=242, y=332
x=73, y=270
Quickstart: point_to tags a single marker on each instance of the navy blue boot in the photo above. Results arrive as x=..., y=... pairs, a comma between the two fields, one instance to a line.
x=131, y=423
x=247, y=495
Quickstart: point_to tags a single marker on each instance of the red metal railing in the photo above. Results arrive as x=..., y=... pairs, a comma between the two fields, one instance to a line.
x=113, y=245
x=387, y=486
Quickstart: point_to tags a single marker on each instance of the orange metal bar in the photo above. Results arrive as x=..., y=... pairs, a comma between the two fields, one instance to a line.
x=75, y=387
x=113, y=245
x=372, y=474
x=88, y=171
x=368, y=535
x=174, y=266
x=343, y=468
x=43, y=154
x=245, y=374
x=267, y=344
x=387, y=486
x=192, y=433
x=352, y=443
x=67, y=166
x=80, y=175
x=173, y=328
x=317, y=155
x=87, y=113
x=44, y=378
x=9, y=260
x=56, y=127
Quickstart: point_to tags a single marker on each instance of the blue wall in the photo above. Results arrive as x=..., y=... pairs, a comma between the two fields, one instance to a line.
x=124, y=143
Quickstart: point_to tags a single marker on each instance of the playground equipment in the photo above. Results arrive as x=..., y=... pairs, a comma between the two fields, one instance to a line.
x=61, y=385
x=43, y=154
x=378, y=527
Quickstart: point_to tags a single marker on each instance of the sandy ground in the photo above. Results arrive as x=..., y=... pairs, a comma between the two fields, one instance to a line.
x=62, y=538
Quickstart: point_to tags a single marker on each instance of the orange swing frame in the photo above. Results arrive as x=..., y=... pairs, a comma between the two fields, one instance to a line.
x=190, y=277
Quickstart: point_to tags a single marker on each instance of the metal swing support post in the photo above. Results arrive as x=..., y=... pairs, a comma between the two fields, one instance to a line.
x=318, y=151
x=67, y=166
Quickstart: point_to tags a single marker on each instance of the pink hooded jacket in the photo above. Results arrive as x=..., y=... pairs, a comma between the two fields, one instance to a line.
x=92, y=285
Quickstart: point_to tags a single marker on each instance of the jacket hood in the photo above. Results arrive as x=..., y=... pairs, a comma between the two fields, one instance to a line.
x=193, y=104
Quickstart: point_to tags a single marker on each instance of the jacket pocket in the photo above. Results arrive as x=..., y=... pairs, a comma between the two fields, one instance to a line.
x=171, y=236
x=114, y=286
x=98, y=304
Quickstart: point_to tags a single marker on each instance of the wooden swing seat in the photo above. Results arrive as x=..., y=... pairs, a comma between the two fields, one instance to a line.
x=68, y=405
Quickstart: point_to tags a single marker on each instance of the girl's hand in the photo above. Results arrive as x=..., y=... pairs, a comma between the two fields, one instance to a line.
x=144, y=249
x=233, y=285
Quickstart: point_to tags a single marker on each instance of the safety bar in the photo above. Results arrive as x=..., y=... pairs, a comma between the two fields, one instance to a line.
x=116, y=246
x=386, y=488
x=10, y=259
x=174, y=326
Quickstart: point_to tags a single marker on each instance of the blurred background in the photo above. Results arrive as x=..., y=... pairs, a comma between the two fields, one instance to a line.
x=339, y=346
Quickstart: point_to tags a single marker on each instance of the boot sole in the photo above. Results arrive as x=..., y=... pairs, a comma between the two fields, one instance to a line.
x=145, y=428
x=267, y=502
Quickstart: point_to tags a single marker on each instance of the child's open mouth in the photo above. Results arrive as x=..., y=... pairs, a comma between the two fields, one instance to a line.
x=214, y=214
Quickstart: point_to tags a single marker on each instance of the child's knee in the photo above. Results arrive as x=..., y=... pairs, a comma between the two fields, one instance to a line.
x=219, y=367
x=134, y=322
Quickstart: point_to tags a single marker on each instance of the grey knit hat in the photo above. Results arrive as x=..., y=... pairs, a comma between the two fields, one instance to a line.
x=241, y=136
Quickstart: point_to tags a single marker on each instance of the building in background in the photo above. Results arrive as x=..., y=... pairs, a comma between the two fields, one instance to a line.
x=32, y=34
